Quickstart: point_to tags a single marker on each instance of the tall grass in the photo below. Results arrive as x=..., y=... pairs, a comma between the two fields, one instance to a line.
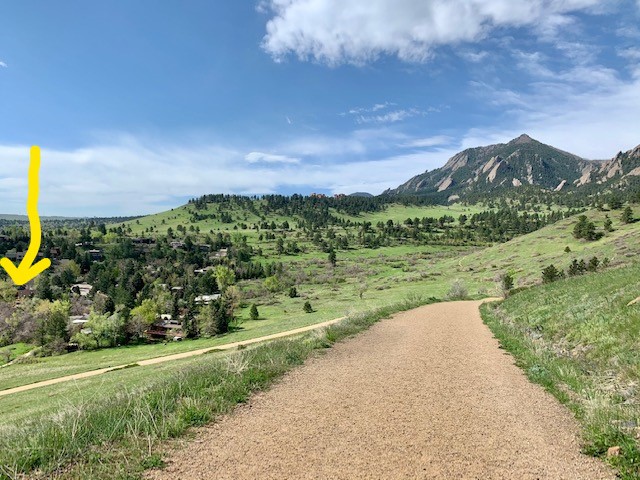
x=579, y=339
x=119, y=435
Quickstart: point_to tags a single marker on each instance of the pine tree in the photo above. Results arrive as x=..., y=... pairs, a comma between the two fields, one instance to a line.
x=332, y=258
x=627, y=215
x=608, y=224
x=253, y=313
x=550, y=274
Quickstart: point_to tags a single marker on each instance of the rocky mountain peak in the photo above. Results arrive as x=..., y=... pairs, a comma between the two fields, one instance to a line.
x=524, y=138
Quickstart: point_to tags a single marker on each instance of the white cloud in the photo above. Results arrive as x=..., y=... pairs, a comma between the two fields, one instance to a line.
x=390, y=117
x=352, y=31
x=256, y=157
x=631, y=53
x=428, y=142
x=474, y=57
x=3, y=65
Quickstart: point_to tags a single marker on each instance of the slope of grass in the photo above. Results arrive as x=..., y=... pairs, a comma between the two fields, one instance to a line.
x=13, y=351
x=579, y=339
x=527, y=255
x=118, y=435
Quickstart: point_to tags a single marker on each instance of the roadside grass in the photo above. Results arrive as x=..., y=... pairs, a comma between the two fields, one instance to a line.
x=579, y=340
x=121, y=435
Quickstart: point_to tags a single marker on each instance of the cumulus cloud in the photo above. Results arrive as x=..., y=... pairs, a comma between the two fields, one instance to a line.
x=352, y=31
x=256, y=157
x=2, y=64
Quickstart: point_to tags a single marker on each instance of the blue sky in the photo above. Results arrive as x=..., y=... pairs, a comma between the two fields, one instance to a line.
x=139, y=105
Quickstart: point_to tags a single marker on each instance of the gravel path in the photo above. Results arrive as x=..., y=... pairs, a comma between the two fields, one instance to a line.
x=426, y=394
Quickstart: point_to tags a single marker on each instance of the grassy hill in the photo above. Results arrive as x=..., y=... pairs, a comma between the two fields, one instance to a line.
x=579, y=339
x=527, y=255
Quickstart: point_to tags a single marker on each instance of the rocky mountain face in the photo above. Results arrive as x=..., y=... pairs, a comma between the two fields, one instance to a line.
x=521, y=162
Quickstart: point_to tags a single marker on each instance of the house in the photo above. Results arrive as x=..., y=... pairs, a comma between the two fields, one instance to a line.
x=55, y=252
x=201, y=271
x=26, y=293
x=204, y=247
x=143, y=240
x=15, y=256
x=222, y=253
x=84, y=244
x=177, y=244
x=95, y=254
x=166, y=327
x=79, y=319
x=81, y=289
x=206, y=299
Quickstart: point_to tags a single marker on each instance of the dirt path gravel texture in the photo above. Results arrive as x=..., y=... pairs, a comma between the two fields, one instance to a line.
x=169, y=358
x=425, y=395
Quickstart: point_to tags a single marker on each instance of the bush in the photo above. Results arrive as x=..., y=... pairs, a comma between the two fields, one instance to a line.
x=551, y=274
x=253, y=313
x=506, y=282
x=307, y=307
x=293, y=292
x=458, y=291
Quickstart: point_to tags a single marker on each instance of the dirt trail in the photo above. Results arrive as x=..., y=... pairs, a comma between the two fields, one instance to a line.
x=426, y=394
x=167, y=358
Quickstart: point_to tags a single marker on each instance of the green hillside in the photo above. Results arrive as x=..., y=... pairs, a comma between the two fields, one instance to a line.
x=579, y=339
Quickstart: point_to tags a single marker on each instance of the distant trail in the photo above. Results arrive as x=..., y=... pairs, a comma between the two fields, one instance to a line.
x=167, y=358
x=425, y=395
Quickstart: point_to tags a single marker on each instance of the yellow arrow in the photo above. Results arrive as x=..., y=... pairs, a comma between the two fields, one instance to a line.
x=27, y=271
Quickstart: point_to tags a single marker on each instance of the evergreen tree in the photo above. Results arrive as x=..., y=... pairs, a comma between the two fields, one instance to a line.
x=608, y=224
x=627, y=215
x=253, y=313
x=506, y=281
x=551, y=274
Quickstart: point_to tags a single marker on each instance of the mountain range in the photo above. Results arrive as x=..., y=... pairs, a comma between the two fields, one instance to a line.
x=520, y=163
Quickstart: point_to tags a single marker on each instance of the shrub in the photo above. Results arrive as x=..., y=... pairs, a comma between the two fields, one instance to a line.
x=551, y=274
x=253, y=313
x=458, y=291
x=506, y=282
x=307, y=307
x=293, y=292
